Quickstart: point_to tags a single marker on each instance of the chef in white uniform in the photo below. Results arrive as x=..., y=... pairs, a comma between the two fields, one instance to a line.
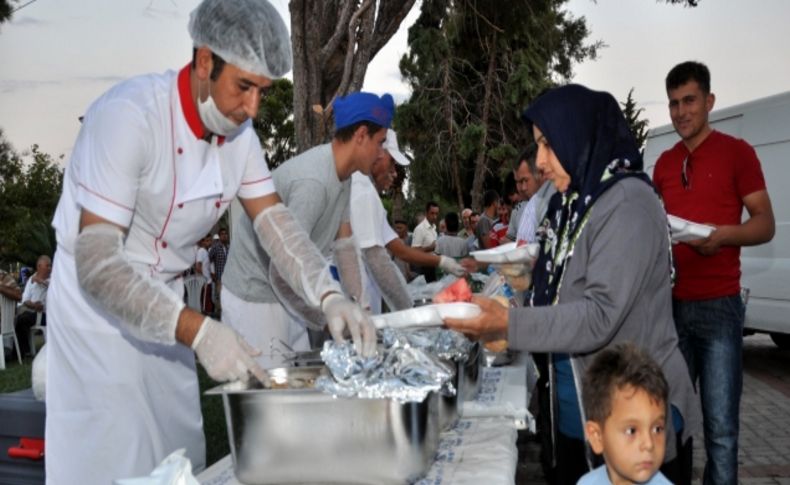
x=157, y=161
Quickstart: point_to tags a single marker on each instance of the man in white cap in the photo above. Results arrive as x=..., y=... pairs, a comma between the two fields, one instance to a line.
x=373, y=233
x=157, y=161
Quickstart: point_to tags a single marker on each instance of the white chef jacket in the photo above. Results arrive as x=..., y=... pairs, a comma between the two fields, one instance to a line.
x=116, y=405
x=370, y=227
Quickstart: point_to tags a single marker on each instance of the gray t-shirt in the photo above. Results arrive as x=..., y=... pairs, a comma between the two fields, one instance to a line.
x=452, y=246
x=483, y=227
x=309, y=187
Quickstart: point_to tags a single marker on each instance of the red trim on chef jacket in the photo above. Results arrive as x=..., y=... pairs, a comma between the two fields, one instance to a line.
x=189, y=108
x=86, y=189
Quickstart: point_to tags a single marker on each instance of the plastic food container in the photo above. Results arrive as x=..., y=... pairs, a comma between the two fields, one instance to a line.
x=683, y=230
x=426, y=315
x=508, y=253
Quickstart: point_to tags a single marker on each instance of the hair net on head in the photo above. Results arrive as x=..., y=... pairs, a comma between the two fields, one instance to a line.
x=249, y=34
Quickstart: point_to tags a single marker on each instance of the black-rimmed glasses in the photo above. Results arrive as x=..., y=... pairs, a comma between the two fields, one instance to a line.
x=685, y=173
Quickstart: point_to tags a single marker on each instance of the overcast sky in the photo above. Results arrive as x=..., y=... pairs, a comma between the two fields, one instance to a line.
x=59, y=55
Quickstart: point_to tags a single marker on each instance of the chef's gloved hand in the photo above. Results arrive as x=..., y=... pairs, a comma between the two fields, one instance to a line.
x=342, y=314
x=225, y=355
x=451, y=266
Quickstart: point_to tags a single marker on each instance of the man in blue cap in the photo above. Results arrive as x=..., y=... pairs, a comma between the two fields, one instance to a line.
x=316, y=188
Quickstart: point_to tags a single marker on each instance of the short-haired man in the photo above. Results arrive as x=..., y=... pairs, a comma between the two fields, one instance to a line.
x=709, y=177
x=450, y=244
x=157, y=161
x=466, y=219
x=487, y=219
x=316, y=187
x=424, y=237
x=529, y=181
x=34, y=301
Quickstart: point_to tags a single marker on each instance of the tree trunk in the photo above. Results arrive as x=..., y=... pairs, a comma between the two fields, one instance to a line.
x=333, y=42
x=455, y=170
x=481, y=166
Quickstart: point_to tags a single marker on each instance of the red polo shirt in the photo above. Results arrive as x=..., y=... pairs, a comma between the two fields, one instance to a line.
x=721, y=172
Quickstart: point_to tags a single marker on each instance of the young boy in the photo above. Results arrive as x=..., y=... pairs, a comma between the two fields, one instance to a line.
x=625, y=402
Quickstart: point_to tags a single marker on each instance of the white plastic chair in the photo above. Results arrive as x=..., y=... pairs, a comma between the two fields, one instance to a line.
x=193, y=284
x=7, y=316
x=37, y=328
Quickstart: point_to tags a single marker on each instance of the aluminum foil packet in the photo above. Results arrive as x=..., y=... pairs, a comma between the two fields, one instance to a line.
x=400, y=370
x=444, y=343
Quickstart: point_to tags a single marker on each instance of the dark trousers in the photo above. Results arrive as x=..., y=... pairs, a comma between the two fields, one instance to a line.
x=24, y=322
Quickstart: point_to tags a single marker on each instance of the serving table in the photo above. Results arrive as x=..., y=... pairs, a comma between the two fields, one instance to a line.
x=480, y=448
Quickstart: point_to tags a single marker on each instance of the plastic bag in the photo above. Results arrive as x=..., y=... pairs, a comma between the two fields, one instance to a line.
x=176, y=469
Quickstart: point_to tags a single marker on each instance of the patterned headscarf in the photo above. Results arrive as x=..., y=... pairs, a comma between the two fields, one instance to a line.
x=589, y=134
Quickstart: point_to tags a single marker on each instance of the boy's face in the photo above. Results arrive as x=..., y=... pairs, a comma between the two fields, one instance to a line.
x=632, y=439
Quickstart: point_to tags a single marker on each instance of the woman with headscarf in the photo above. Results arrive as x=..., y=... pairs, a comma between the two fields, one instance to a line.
x=602, y=276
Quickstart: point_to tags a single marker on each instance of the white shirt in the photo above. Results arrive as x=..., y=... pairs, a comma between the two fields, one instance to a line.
x=205, y=263
x=140, y=161
x=368, y=215
x=424, y=234
x=166, y=185
x=370, y=227
x=34, y=292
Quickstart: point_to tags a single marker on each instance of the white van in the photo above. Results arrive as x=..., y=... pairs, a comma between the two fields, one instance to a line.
x=765, y=124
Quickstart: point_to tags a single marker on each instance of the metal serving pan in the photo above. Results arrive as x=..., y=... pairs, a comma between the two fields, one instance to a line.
x=299, y=434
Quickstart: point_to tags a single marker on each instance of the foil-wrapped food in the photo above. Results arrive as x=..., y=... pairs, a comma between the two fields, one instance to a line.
x=407, y=366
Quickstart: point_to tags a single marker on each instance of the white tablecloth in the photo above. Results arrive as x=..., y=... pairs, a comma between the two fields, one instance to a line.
x=481, y=448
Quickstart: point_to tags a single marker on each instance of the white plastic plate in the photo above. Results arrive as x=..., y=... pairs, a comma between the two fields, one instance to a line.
x=508, y=253
x=426, y=316
x=683, y=230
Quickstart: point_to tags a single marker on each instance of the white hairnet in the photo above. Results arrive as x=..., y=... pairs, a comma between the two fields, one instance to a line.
x=249, y=34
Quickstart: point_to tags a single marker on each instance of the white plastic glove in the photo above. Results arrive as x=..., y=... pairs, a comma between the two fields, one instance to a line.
x=388, y=278
x=294, y=254
x=451, y=266
x=225, y=355
x=350, y=268
x=342, y=314
x=148, y=308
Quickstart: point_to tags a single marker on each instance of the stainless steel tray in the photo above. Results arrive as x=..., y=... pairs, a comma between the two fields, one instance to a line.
x=303, y=435
x=471, y=371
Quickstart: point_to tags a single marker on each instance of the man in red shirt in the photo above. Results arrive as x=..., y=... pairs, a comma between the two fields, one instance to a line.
x=709, y=177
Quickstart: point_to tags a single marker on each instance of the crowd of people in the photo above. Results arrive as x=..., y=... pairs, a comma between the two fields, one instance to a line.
x=638, y=340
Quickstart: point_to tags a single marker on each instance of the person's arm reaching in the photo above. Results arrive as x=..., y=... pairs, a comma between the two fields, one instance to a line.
x=418, y=257
x=149, y=309
x=388, y=277
x=306, y=271
x=349, y=265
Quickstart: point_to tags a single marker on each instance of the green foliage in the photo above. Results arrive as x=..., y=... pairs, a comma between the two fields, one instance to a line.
x=473, y=66
x=275, y=123
x=638, y=127
x=6, y=9
x=29, y=193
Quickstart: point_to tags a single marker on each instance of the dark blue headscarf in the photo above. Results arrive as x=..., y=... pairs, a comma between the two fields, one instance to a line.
x=589, y=134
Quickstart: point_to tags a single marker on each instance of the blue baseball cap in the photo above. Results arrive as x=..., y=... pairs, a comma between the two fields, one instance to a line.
x=361, y=106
